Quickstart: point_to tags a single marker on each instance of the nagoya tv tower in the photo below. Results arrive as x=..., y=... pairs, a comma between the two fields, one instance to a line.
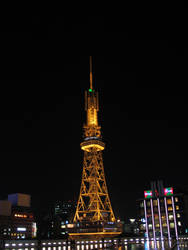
x=94, y=207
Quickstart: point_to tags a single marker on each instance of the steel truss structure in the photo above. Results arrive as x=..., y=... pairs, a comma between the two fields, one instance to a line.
x=94, y=203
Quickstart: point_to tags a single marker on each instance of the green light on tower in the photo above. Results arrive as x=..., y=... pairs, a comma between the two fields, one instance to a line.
x=90, y=90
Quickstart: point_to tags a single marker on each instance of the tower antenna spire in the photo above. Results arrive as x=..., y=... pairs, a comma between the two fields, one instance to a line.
x=91, y=74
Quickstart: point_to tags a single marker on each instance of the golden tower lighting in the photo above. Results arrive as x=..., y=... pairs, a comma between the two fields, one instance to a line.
x=94, y=204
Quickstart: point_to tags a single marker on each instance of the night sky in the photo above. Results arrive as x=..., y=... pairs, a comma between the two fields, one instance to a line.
x=141, y=75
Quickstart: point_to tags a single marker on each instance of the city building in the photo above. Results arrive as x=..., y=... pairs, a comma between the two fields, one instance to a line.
x=163, y=212
x=56, y=222
x=130, y=227
x=62, y=217
x=65, y=209
x=16, y=218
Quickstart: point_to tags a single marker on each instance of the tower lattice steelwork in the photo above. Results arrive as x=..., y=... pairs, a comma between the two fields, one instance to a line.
x=93, y=204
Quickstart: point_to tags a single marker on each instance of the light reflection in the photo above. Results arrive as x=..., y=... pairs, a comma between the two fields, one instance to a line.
x=162, y=243
x=146, y=245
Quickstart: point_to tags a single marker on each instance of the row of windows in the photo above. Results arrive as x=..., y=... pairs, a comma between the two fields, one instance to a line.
x=171, y=224
x=155, y=203
x=163, y=217
x=170, y=209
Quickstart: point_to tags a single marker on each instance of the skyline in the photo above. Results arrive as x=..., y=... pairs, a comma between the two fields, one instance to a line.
x=143, y=107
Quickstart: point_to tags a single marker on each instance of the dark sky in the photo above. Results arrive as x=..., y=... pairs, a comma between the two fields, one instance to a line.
x=141, y=76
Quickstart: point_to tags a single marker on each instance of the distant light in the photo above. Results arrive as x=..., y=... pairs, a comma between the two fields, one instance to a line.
x=90, y=90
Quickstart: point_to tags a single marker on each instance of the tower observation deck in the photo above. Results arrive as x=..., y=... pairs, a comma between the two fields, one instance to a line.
x=94, y=216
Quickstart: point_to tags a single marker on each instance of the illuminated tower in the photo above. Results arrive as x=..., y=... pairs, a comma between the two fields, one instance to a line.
x=93, y=204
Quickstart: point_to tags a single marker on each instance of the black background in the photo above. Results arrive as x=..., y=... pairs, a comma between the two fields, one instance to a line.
x=141, y=77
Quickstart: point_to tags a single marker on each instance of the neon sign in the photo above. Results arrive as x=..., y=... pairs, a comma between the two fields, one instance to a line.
x=168, y=191
x=148, y=194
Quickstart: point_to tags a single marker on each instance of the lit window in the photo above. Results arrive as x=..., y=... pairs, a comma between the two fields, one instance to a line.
x=150, y=226
x=148, y=203
x=177, y=208
x=149, y=211
x=171, y=224
x=169, y=201
x=176, y=199
x=171, y=217
x=179, y=223
x=178, y=216
x=155, y=203
x=142, y=204
x=170, y=208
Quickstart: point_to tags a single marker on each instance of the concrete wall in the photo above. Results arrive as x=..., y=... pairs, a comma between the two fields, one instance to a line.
x=23, y=200
x=5, y=208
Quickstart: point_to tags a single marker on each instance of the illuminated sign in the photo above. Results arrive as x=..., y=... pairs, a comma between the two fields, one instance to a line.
x=21, y=215
x=21, y=229
x=168, y=191
x=34, y=229
x=148, y=194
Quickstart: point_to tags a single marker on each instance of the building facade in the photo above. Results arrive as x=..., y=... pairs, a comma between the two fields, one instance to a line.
x=163, y=212
x=16, y=218
x=56, y=222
